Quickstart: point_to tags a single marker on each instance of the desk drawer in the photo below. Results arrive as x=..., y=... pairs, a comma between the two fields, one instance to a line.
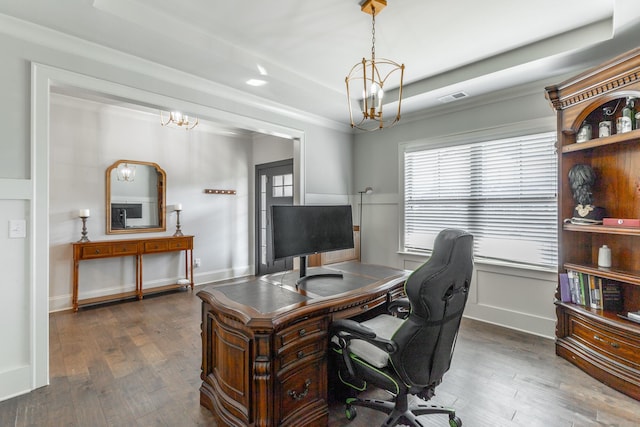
x=96, y=251
x=302, y=352
x=361, y=308
x=397, y=293
x=303, y=390
x=300, y=330
x=156, y=246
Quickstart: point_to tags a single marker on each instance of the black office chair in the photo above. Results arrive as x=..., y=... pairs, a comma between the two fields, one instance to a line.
x=410, y=355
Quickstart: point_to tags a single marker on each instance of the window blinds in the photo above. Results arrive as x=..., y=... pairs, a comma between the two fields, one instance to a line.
x=503, y=192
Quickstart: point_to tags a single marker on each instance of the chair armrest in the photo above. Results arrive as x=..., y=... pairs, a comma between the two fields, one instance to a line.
x=352, y=327
x=400, y=307
x=346, y=330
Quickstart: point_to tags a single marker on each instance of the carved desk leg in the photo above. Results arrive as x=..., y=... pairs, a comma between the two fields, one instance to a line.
x=263, y=381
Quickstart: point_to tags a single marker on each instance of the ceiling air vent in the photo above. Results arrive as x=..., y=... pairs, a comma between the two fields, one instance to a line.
x=453, y=97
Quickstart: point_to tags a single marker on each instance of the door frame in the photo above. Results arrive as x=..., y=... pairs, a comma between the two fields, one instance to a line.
x=256, y=213
x=43, y=78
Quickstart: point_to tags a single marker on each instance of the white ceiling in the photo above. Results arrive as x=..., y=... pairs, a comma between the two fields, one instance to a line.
x=308, y=47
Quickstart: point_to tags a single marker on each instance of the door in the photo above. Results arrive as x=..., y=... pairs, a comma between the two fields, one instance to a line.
x=274, y=186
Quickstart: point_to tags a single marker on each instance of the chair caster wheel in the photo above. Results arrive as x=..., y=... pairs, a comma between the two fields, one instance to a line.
x=455, y=422
x=350, y=412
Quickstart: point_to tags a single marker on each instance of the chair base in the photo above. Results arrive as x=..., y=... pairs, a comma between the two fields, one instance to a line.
x=401, y=410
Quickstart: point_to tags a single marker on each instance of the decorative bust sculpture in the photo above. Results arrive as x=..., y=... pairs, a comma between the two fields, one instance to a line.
x=581, y=179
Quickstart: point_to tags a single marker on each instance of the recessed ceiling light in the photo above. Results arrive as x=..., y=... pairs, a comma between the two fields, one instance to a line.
x=256, y=82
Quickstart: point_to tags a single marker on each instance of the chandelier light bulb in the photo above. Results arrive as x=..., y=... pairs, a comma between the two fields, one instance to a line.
x=126, y=172
x=177, y=119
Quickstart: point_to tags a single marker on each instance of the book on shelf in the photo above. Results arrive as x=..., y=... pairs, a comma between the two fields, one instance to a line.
x=579, y=288
x=565, y=288
x=593, y=291
x=611, y=296
x=585, y=292
x=573, y=286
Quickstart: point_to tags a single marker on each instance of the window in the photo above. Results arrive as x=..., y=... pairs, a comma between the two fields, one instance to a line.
x=283, y=185
x=501, y=191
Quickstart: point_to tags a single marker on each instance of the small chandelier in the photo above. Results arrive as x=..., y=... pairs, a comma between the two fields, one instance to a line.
x=176, y=118
x=126, y=172
x=369, y=78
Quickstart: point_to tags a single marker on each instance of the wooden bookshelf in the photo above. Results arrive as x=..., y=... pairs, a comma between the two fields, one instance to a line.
x=598, y=341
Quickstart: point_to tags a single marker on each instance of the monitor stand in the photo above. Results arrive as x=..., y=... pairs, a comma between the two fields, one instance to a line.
x=303, y=273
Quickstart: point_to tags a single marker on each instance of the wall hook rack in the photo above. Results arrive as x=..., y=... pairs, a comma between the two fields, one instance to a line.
x=214, y=191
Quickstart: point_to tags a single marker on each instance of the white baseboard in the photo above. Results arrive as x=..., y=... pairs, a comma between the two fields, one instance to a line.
x=64, y=302
x=15, y=382
x=522, y=322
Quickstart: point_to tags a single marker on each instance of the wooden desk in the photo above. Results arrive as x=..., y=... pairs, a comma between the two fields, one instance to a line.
x=130, y=247
x=265, y=343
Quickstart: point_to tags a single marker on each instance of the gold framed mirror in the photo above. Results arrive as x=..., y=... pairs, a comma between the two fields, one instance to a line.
x=135, y=197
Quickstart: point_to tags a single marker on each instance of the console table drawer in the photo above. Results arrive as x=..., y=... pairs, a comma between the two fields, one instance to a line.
x=179, y=243
x=156, y=246
x=125, y=249
x=96, y=251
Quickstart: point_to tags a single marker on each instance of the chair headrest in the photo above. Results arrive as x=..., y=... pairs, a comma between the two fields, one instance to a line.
x=447, y=272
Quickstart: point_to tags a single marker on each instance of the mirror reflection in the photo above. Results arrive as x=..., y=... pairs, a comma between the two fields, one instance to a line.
x=135, y=197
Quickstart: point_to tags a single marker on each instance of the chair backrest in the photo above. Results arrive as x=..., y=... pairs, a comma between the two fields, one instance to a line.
x=438, y=292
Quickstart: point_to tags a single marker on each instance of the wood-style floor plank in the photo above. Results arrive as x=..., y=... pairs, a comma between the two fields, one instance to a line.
x=137, y=363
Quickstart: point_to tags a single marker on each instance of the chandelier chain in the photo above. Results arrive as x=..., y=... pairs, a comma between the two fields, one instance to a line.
x=373, y=33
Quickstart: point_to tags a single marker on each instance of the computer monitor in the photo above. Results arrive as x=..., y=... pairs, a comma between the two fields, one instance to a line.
x=301, y=230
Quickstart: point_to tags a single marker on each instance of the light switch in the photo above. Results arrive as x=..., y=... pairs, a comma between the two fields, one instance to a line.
x=17, y=229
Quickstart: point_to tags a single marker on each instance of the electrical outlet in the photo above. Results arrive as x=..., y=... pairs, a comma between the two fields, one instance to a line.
x=196, y=262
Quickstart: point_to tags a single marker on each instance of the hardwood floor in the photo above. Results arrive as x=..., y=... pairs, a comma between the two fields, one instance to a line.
x=138, y=364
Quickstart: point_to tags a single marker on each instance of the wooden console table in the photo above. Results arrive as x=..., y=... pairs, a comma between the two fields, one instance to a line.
x=130, y=247
x=265, y=341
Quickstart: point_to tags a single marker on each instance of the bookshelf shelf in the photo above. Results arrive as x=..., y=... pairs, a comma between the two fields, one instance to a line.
x=632, y=277
x=600, y=342
x=624, y=231
x=608, y=318
x=633, y=136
